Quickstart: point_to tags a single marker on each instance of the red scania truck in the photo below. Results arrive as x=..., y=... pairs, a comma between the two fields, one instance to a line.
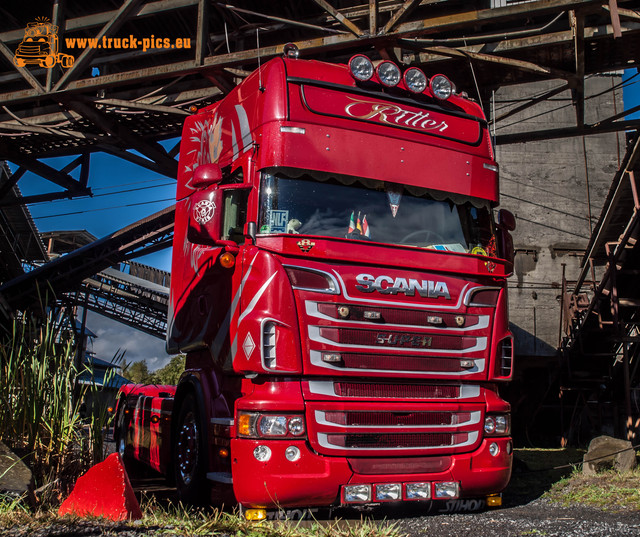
x=339, y=289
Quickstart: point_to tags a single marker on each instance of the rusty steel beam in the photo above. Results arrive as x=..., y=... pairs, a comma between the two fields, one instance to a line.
x=401, y=13
x=107, y=30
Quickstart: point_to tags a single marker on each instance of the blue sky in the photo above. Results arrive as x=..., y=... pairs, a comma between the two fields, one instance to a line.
x=125, y=193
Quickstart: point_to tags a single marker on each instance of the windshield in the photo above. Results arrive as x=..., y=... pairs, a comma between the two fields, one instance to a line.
x=369, y=210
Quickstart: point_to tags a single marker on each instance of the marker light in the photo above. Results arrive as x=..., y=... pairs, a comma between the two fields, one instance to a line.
x=388, y=73
x=415, y=80
x=227, y=260
x=255, y=514
x=441, y=87
x=291, y=51
x=361, y=68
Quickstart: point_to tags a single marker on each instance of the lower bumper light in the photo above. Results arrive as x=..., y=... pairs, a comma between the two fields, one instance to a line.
x=255, y=515
x=357, y=493
x=446, y=489
x=494, y=500
x=388, y=492
x=494, y=449
x=417, y=491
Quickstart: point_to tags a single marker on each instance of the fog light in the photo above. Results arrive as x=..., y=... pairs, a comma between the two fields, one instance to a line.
x=446, y=489
x=255, y=514
x=388, y=492
x=494, y=449
x=417, y=491
x=262, y=453
x=292, y=453
x=357, y=493
x=494, y=500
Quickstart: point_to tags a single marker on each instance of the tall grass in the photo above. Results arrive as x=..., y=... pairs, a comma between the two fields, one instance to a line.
x=39, y=400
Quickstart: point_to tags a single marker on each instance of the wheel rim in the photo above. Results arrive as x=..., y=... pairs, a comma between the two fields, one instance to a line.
x=187, y=453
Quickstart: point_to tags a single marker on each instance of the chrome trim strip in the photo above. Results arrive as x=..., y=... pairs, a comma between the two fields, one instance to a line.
x=326, y=388
x=403, y=304
x=220, y=477
x=316, y=359
x=473, y=290
x=311, y=308
x=334, y=282
x=314, y=335
x=222, y=421
x=323, y=441
x=474, y=419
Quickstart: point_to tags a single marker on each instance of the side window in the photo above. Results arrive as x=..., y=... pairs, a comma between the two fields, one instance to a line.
x=235, y=214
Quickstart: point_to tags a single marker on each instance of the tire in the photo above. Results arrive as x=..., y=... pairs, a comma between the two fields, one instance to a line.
x=190, y=454
x=48, y=62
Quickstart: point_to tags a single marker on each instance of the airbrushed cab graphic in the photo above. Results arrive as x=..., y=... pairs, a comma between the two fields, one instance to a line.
x=41, y=46
x=339, y=288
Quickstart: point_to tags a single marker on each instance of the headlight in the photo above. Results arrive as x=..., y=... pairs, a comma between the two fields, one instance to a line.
x=441, y=87
x=258, y=425
x=497, y=425
x=357, y=493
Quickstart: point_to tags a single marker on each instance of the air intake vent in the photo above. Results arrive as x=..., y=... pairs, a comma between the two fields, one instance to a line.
x=411, y=391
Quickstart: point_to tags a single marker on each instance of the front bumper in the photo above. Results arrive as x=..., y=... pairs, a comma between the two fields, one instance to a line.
x=315, y=480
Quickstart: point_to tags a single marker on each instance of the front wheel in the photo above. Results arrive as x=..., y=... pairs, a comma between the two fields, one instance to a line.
x=190, y=454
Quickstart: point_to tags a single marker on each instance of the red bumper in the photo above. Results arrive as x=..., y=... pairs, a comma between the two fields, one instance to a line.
x=315, y=481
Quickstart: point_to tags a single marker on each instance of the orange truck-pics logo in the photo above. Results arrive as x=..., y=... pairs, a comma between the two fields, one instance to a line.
x=41, y=46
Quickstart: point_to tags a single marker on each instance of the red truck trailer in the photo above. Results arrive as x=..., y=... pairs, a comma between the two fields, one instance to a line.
x=339, y=289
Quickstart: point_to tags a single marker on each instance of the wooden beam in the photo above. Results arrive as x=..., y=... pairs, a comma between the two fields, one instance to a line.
x=339, y=17
x=615, y=18
x=373, y=17
x=202, y=39
x=523, y=65
x=108, y=29
x=404, y=10
x=576, y=20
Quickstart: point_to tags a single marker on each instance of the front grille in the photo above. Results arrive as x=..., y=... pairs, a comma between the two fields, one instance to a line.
x=375, y=419
x=399, y=316
x=412, y=391
x=404, y=340
x=396, y=440
x=390, y=362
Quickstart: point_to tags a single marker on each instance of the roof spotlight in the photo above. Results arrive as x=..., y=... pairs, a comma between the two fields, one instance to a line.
x=291, y=50
x=388, y=73
x=441, y=87
x=361, y=68
x=415, y=80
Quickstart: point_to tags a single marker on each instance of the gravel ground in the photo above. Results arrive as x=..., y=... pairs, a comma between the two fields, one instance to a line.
x=536, y=518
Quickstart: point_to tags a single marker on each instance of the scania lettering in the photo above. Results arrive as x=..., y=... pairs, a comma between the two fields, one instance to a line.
x=368, y=284
x=339, y=290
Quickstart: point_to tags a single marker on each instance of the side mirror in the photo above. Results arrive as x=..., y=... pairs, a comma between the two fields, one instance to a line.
x=506, y=223
x=506, y=220
x=205, y=216
x=206, y=175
